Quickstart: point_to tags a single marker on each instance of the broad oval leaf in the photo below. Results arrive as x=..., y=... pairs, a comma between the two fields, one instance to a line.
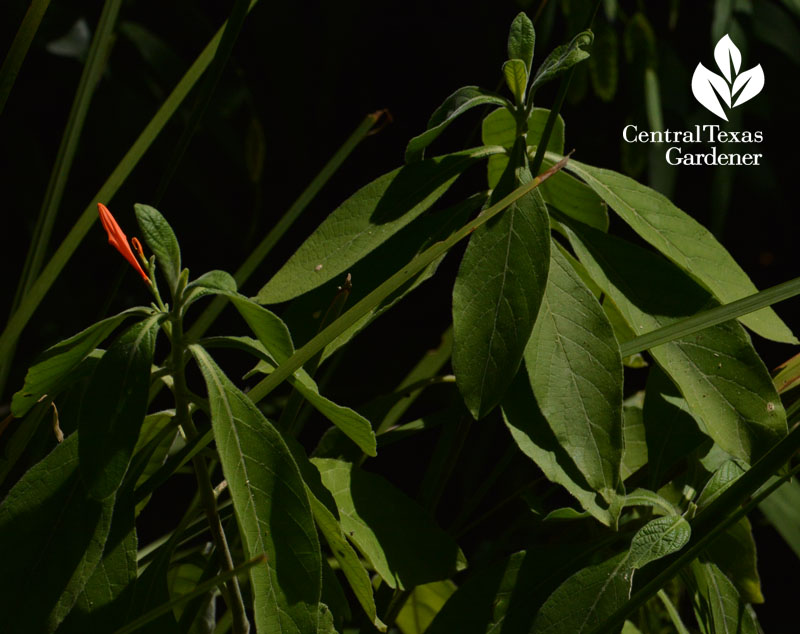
x=271, y=504
x=498, y=291
x=658, y=538
x=51, y=538
x=722, y=478
x=533, y=435
x=522, y=40
x=365, y=221
x=575, y=369
x=683, y=240
x=586, y=599
x=391, y=531
x=562, y=58
x=455, y=105
x=114, y=406
x=61, y=359
x=717, y=370
x=161, y=239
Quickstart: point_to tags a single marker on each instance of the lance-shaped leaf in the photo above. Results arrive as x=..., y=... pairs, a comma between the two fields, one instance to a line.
x=708, y=88
x=516, y=78
x=658, y=538
x=271, y=505
x=683, y=240
x=521, y=40
x=51, y=538
x=533, y=435
x=161, y=239
x=718, y=604
x=210, y=283
x=498, y=291
x=455, y=105
x=60, y=360
x=423, y=605
x=734, y=552
x=717, y=370
x=348, y=560
x=586, y=599
x=103, y=604
x=114, y=406
x=575, y=370
x=391, y=531
x=562, y=58
x=350, y=422
x=365, y=221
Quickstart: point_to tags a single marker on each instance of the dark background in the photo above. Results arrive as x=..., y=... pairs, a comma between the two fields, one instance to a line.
x=302, y=76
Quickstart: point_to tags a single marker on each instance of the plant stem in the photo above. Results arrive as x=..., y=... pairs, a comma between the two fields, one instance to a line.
x=236, y=605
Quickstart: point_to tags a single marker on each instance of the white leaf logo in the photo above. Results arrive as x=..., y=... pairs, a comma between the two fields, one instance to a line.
x=730, y=89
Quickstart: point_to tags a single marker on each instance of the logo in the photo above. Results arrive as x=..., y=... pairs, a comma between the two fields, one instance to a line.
x=732, y=88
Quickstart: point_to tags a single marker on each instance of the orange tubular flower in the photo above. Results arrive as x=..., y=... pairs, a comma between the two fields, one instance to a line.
x=119, y=240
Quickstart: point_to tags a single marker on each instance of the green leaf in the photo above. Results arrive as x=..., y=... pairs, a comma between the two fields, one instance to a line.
x=721, y=608
x=658, y=538
x=634, y=455
x=646, y=497
x=399, y=539
x=348, y=560
x=672, y=432
x=562, y=58
x=59, y=361
x=723, y=477
x=533, y=435
x=684, y=241
x=604, y=62
x=586, y=599
x=717, y=370
x=365, y=221
x=350, y=422
x=153, y=427
x=271, y=505
x=103, y=604
x=734, y=552
x=51, y=538
x=498, y=291
x=522, y=40
x=506, y=595
x=210, y=283
x=575, y=371
x=114, y=406
x=574, y=199
x=161, y=239
x=422, y=605
x=782, y=509
x=304, y=314
x=500, y=128
x=516, y=75
x=455, y=105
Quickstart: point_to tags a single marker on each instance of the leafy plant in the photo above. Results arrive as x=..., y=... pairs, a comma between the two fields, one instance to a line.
x=634, y=502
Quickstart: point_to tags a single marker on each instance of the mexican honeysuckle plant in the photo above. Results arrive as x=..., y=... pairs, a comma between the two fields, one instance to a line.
x=631, y=505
